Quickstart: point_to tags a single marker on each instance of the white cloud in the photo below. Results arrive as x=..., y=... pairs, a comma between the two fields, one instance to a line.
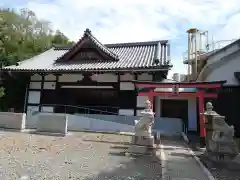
x=132, y=20
x=141, y=20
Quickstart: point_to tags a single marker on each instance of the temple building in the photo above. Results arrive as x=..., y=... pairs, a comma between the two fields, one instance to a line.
x=91, y=77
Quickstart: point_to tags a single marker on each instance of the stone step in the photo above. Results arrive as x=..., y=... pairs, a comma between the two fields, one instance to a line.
x=140, y=150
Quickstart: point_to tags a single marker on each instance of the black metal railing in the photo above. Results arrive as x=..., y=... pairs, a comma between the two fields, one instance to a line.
x=70, y=109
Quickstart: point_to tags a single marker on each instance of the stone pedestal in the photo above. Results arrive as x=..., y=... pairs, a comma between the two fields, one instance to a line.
x=135, y=149
x=220, y=144
x=143, y=141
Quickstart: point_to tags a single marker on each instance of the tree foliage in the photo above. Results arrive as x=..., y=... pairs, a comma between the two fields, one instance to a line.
x=23, y=35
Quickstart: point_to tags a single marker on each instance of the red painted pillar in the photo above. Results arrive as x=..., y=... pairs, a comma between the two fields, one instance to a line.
x=150, y=97
x=201, y=111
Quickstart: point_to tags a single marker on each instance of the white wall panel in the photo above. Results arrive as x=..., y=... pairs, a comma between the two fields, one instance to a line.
x=34, y=97
x=36, y=77
x=50, y=77
x=126, y=86
x=35, y=85
x=145, y=77
x=126, y=77
x=70, y=78
x=49, y=85
x=105, y=77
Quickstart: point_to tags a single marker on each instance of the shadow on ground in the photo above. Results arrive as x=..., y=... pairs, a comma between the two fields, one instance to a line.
x=131, y=168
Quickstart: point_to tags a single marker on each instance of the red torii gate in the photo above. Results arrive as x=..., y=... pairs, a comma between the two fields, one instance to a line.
x=147, y=88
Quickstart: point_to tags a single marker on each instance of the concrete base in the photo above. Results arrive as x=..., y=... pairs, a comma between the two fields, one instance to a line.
x=52, y=123
x=143, y=141
x=10, y=120
x=140, y=150
x=135, y=149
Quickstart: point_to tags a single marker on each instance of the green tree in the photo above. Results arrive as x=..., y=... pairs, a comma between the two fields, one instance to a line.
x=23, y=35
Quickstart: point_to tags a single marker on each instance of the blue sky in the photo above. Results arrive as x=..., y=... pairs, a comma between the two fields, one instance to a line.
x=139, y=20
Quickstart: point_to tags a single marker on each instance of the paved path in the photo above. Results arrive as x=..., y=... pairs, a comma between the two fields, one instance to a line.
x=177, y=162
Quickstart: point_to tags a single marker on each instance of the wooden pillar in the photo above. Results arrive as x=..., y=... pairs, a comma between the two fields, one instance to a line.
x=57, y=96
x=27, y=94
x=41, y=91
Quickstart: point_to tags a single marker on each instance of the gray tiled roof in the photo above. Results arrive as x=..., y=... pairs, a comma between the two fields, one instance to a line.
x=131, y=56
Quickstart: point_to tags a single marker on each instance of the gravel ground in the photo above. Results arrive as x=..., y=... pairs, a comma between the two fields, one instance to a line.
x=218, y=170
x=80, y=155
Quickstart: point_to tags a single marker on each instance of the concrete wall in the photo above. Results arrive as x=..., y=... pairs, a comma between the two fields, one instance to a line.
x=52, y=123
x=111, y=123
x=12, y=120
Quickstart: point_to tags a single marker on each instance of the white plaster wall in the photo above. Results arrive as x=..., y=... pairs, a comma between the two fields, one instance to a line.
x=70, y=78
x=35, y=85
x=126, y=112
x=49, y=85
x=126, y=86
x=107, y=77
x=144, y=77
x=34, y=97
x=126, y=77
x=36, y=77
x=226, y=72
x=50, y=77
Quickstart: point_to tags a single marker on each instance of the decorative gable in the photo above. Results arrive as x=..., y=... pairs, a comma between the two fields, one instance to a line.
x=88, y=48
